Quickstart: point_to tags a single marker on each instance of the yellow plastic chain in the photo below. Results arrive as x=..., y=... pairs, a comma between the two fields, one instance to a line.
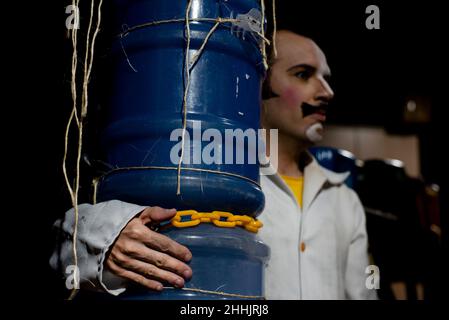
x=214, y=217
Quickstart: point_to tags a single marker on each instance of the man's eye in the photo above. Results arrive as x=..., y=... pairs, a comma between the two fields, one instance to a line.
x=305, y=75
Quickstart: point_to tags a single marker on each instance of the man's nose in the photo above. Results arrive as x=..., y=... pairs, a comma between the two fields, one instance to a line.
x=325, y=92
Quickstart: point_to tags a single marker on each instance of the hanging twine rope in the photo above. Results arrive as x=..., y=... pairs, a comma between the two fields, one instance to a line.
x=73, y=115
x=262, y=23
x=218, y=293
x=88, y=62
x=275, y=52
x=182, y=20
x=186, y=91
x=95, y=189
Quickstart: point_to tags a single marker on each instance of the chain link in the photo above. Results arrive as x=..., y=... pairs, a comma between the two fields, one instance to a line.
x=218, y=218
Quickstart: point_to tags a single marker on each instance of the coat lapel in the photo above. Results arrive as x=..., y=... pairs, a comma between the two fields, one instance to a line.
x=316, y=178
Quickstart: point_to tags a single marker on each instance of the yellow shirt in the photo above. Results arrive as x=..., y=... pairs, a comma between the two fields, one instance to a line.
x=296, y=185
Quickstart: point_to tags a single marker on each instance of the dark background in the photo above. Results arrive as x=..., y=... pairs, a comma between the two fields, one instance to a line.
x=374, y=73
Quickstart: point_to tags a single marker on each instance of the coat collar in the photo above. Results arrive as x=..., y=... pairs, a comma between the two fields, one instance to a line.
x=316, y=178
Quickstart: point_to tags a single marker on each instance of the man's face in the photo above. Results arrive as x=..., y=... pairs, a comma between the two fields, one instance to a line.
x=298, y=75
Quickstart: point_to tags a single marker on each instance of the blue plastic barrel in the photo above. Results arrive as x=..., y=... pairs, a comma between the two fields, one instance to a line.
x=337, y=160
x=145, y=106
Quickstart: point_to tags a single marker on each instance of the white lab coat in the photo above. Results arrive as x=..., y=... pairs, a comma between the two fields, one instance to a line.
x=332, y=226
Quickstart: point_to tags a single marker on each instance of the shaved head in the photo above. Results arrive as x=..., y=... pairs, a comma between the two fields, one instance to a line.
x=298, y=79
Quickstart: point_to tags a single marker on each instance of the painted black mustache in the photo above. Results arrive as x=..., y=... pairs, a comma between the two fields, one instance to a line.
x=308, y=109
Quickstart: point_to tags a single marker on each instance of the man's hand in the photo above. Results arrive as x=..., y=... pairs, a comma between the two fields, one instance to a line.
x=147, y=257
